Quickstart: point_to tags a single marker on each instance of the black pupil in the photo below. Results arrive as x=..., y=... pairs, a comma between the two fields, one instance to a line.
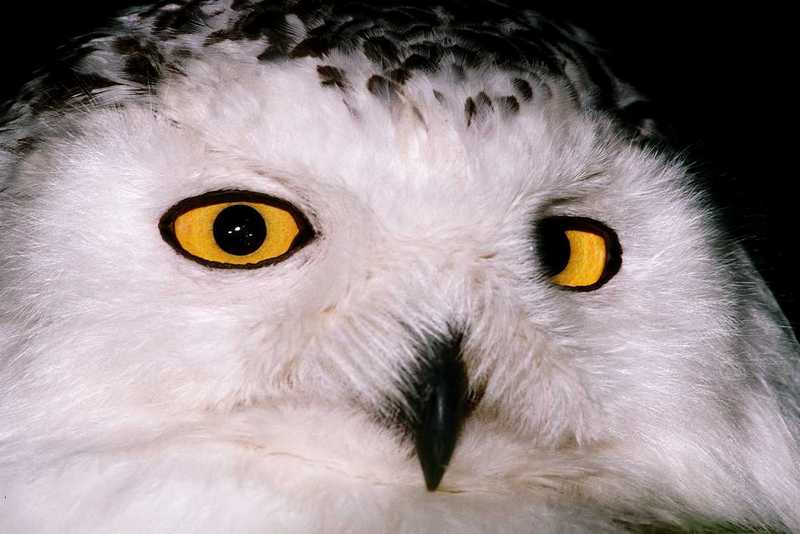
x=553, y=248
x=240, y=230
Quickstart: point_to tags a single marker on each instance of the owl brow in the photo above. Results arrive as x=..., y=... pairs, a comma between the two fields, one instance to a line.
x=559, y=201
x=592, y=176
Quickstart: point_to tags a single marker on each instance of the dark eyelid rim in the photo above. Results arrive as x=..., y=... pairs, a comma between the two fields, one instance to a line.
x=613, y=261
x=166, y=225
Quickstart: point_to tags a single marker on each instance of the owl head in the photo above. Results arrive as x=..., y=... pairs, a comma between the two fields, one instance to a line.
x=309, y=267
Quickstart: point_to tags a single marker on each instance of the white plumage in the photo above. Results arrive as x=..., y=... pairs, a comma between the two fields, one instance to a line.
x=143, y=391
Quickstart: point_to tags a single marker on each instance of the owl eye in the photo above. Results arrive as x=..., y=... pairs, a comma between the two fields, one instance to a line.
x=578, y=253
x=235, y=229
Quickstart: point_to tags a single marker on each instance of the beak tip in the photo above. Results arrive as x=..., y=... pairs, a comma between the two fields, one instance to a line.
x=439, y=401
x=433, y=475
x=432, y=484
x=434, y=452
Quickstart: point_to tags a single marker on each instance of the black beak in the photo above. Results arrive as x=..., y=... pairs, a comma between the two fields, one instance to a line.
x=438, y=401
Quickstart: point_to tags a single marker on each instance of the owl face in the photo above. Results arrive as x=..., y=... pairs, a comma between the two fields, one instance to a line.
x=277, y=288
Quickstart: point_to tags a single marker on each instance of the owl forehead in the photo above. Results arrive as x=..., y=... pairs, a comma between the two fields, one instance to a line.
x=434, y=140
x=444, y=100
x=147, y=47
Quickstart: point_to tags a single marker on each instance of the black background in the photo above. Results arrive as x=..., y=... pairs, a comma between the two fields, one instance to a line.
x=721, y=78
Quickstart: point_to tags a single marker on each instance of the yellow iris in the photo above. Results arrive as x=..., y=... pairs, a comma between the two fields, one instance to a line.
x=234, y=229
x=587, y=260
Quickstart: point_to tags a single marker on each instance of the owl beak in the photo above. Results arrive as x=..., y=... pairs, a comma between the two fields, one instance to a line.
x=439, y=403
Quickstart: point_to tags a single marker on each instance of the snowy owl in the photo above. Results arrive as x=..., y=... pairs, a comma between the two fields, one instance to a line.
x=289, y=266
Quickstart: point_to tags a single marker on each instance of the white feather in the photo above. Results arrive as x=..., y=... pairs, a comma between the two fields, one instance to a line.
x=140, y=391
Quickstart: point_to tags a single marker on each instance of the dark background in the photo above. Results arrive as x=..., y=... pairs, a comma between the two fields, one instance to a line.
x=721, y=79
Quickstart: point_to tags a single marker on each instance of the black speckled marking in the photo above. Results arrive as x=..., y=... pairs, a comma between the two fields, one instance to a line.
x=483, y=102
x=464, y=57
x=523, y=89
x=509, y=104
x=383, y=88
x=62, y=84
x=143, y=69
x=127, y=45
x=506, y=51
x=272, y=54
x=470, y=109
x=418, y=114
x=89, y=83
x=223, y=35
x=311, y=47
x=381, y=51
x=143, y=60
x=428, y=49
x=476, y=107
x=186, y=19
x=24, y=146
x=399, y=76
x=419, y=62
x=458, y=72
x=265, y=21
x=418, y=31
x=332, y=77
